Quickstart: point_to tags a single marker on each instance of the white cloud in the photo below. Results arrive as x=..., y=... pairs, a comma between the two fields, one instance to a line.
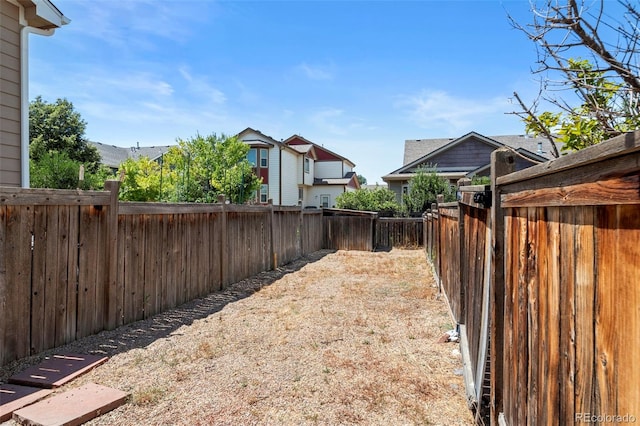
x=201, y=87
x=440, y=110
x=316, y=72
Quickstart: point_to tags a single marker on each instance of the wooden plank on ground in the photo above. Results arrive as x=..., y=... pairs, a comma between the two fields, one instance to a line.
x=14, y=397
x=73, y=407
x=57, y=370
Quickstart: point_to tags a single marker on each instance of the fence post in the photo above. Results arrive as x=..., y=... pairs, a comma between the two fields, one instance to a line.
x=224, y=244
x=503, y=162
x=272, y=235
x=112, y=313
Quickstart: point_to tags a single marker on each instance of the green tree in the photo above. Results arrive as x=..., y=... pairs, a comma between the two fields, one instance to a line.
x=424, y=188
x=606, y=85
x=379, y=199
x=58, y=148
x=362, y=180
x=198, y=169
x=141, y=180
x=57, y=127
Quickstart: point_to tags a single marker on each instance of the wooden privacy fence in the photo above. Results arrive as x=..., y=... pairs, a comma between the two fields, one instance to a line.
x=74, y=263
x=545, y=285
x=365, y=231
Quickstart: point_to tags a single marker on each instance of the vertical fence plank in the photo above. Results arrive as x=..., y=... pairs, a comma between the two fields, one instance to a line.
x=553, y=324
x=536, y=287
x=567, y=311
x=585, y=292
x=502, y=163
x=607, y=335
x=4, y=305
x=124, y=242
x=628, y=303
x=87, y=272
x=72, y=281
x=38, y=279
x=111, y=314
x=18, y=295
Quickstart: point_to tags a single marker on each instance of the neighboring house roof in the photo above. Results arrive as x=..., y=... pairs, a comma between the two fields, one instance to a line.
x=417, y=148
x=323, y=154
x=309, y=150
x=268, y=142
x=349, y=179
x=112, y=156
x=421, y=152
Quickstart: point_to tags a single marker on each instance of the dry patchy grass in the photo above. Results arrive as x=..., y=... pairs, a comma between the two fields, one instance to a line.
x=348, y=339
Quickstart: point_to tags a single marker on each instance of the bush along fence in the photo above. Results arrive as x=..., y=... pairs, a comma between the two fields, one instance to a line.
x=541, y=272
x=73, y=263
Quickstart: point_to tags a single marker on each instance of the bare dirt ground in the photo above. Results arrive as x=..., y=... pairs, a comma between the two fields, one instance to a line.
x=336, y=338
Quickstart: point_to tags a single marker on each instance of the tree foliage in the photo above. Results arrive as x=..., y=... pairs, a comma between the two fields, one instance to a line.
x=198, y=169
x=424, y=188
x=58, y=149
x=379, y=199
x=58, y=127
x=592, y=47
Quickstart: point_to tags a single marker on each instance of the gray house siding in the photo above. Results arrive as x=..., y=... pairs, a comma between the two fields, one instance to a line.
x=9, y=95
x=468, y=154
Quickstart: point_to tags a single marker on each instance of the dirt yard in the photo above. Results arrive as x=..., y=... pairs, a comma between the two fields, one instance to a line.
x=337, y=338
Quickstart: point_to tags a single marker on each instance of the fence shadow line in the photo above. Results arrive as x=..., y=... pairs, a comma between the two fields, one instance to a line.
x=142, y=333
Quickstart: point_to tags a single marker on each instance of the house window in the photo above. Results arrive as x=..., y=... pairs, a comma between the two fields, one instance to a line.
x=264, y=158
x=251, y=156
x=324, y=201
x=307, y=166
x=300, y=194
x=264, y=193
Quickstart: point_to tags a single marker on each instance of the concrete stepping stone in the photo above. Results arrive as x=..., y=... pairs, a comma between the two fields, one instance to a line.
x=73, y=407
x=14, y=397
x=57, y=370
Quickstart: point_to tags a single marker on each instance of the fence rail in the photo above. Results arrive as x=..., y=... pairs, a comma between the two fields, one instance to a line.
x=544, y=285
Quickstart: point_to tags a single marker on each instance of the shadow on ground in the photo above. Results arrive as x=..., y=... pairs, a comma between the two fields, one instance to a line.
x=144, y=332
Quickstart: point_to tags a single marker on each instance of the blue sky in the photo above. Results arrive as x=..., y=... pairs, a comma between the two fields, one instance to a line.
x=358, y=77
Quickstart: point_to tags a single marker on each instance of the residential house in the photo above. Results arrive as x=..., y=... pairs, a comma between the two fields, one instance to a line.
x=18, y=19
x=463, y=157
x=297, y=171
x=332, y=174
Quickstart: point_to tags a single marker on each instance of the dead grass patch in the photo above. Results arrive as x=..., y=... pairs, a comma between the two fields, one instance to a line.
x=348, y=339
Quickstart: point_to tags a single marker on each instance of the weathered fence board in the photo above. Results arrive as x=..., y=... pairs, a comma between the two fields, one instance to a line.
x=561, y=247
x=74, y=263
x=399, y=232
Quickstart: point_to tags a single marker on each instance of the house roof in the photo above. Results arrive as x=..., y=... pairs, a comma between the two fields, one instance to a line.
x=43, y=14
x=418, y=148
x=323, y=154
x=112, y=156
x=419, y=151
x=265, y=140
x=309, y=150
x=349, y=177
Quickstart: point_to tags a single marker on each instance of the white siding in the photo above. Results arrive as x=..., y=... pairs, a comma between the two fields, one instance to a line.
x=274, y=167
x=289, y=178
x=329, y=169
x=316, y=192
